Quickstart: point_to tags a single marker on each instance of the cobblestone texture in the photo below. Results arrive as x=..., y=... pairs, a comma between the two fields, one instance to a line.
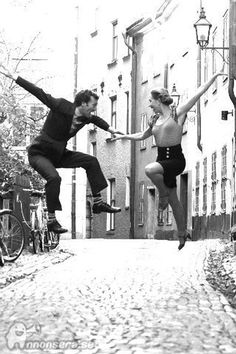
x=28, y=264
x=221, y=269
x=124, y=296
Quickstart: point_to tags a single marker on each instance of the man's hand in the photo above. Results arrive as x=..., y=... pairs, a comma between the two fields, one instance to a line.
x=6, y=72
x=118, y=137
x=114, y=131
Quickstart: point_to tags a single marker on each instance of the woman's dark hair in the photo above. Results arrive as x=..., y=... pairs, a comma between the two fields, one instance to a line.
x=84, y=96
x=163, y=95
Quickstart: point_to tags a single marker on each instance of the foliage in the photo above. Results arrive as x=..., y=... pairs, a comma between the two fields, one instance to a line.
x=19, y=121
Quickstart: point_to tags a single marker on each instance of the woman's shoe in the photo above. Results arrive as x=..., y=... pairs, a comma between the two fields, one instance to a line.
x=183, y=239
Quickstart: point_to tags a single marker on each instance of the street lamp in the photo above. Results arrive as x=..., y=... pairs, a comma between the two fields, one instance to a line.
x=203, y=28
x=175, y=95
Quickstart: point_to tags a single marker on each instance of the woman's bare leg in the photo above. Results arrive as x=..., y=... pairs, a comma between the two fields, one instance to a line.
x=155, y=172
x=178, y=212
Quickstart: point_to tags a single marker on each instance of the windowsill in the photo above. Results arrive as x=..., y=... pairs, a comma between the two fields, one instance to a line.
x=143, y=148
x=213, y=213
x=223, y=211
x=205, y=101
x=214, y=91
x=154, y=146
x=140, y=225
x=224, y=178
x=169, y=224
x=112, y=64
x=110, y=232
x=144, y=82
x=94, y=33
x=185, y=132
x=156, y=75
x=126, y=57
x=127, y=208
x=160, y=224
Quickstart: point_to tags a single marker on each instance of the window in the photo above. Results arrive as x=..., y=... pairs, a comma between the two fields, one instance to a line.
x=113, y=111
x=141, y=204
x=223, y=177
x=114, y=41
x=213, y=167
x=197, y=200
x=169, y=215
x=213, y=182
x=160, y=217
x=197, y=174
x=224, y=162
x=225, y=38
x=223, y=195
x=93, y=150
x=127, y=192
x=127, y=113
x=197, y=187
x=112, y=202
x=204, y=207
x=214, y=68
x=143, y=127
x=205, y=171
x=213, y=197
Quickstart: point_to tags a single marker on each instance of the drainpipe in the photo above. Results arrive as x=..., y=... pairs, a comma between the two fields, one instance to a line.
x=74, y=147
x=133, y=130
x=199, y=61
x=232, y=75
x=166, y=76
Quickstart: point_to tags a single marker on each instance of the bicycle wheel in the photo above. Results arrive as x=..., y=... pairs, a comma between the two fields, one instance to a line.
x=12, y=236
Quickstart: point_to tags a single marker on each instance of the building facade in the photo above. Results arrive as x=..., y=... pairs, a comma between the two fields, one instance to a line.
x=164, y=53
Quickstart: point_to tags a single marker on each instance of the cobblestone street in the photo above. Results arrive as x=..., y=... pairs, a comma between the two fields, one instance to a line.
x=121, y=296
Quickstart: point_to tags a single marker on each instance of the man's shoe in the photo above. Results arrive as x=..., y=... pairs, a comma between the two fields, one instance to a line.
x=56, y=227
x=104, y=207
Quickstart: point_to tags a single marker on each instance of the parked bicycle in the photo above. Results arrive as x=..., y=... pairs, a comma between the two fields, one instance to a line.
x=41, y=238
x=12, y=236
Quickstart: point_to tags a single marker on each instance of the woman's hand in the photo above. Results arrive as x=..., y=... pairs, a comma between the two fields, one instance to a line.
x=118, y=137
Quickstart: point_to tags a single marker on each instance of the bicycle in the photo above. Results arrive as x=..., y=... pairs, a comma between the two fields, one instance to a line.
x=12, y=236
x=41, y=238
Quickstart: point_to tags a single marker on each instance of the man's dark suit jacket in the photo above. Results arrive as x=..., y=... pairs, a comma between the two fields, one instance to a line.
x=52, y=140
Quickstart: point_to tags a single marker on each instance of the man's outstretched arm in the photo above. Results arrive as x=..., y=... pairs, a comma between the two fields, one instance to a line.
x=45, y=98
x=101, y=123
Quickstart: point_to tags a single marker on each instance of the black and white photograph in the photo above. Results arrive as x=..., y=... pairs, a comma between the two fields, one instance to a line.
x=118, y=176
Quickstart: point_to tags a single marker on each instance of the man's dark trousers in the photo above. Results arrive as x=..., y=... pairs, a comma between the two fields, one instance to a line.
x=70, y=159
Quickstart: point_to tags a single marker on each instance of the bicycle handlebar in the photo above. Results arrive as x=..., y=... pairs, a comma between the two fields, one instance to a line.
x=34, y=192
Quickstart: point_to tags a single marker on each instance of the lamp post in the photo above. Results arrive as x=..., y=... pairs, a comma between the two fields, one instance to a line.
x=203, y=28
x=175, y=95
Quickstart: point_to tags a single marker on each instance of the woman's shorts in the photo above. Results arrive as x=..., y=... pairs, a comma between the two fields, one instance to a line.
x=173, y=162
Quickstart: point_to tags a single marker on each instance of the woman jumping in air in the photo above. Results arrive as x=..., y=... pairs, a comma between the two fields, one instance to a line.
x=167, y=127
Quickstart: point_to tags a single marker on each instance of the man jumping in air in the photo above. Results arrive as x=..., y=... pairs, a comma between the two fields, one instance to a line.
x=48, y=150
